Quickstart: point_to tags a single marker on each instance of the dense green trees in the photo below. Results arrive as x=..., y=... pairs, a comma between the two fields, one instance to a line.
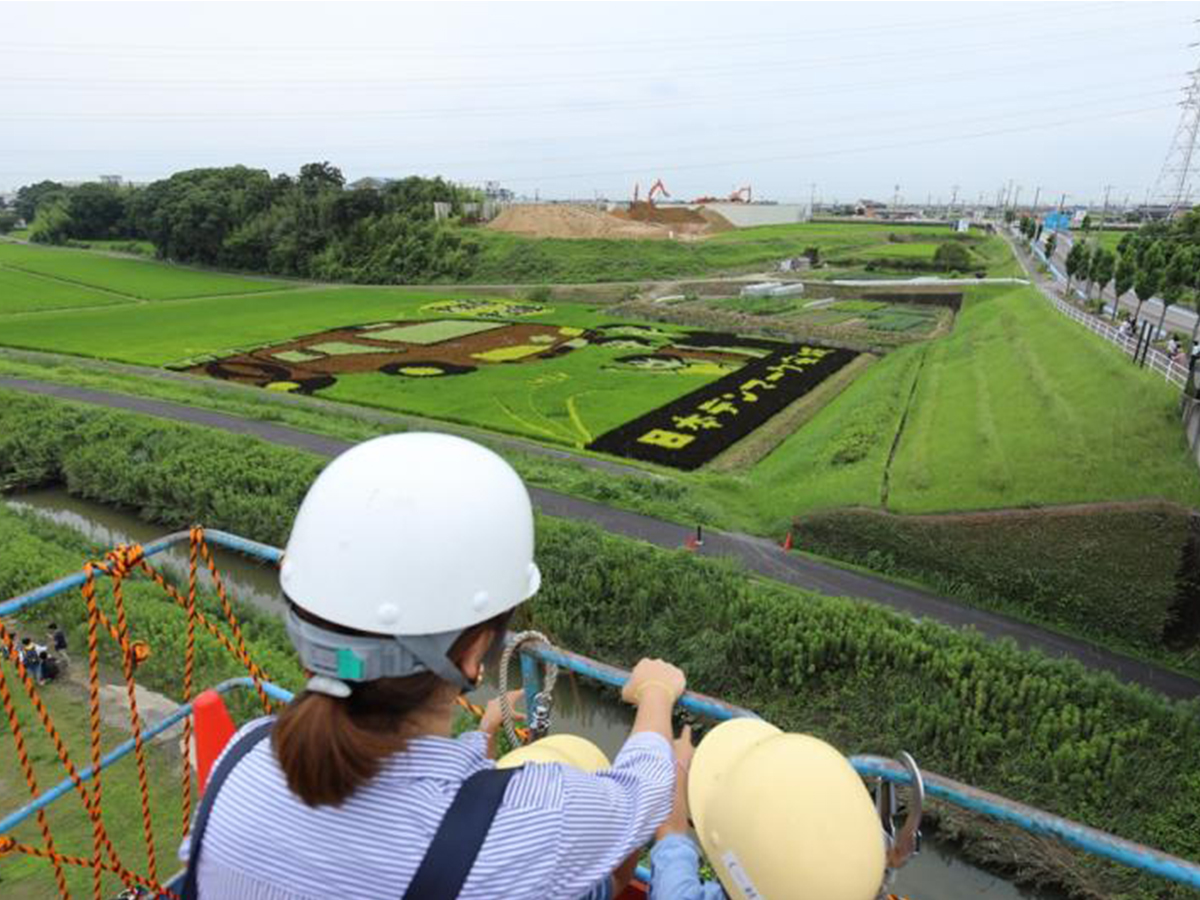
x=309, y=225
x=30, y=197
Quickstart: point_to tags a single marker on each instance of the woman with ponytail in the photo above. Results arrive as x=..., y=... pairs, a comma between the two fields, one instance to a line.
x=406, y=561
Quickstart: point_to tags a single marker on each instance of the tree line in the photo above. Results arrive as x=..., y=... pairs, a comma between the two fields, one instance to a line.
x=310, y=225
x=1161, y=259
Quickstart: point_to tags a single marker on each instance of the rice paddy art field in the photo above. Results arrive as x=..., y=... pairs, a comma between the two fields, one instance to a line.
x=564, y=373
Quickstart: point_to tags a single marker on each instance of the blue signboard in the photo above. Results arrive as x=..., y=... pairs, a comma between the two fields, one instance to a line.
x=1057, y=221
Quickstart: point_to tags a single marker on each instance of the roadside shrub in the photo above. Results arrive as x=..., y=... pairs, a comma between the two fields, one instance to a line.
x=952, y=256
x=1109, y=572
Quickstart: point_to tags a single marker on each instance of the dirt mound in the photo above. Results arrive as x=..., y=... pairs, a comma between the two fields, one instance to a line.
x=663, y=215
x=716, y=222
x=565, y=221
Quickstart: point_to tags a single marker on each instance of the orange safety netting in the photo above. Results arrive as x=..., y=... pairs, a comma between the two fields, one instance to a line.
x=119, y=564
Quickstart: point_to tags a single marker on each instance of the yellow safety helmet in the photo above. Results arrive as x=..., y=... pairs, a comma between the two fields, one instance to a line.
x=784, y=816
x=568, y=749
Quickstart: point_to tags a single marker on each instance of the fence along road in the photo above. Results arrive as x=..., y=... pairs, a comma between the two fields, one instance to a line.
x=759, y=555
x=1156, y=360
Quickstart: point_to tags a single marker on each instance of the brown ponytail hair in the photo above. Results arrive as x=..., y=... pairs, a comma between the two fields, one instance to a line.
x=328, y=747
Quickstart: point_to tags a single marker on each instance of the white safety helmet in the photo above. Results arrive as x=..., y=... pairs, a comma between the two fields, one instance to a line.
x=413, y=538
x=784, y=816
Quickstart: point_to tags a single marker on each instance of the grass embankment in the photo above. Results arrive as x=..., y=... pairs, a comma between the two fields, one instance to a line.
x=135, y=278
x=1045, y=732
x=36, y=552
x=507, y=258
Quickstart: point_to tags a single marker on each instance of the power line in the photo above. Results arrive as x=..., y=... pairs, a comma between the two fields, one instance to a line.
x=1058, y=123
x=655, y=45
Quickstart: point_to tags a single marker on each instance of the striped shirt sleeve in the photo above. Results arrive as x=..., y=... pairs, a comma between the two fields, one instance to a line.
x=609, y=815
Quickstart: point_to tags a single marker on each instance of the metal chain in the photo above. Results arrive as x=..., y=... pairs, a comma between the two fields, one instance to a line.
x=539, y=716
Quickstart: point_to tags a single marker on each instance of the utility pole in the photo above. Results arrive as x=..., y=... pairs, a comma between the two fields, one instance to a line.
x=1016, y=198
x=953, y=200
x=1062, y=201
x=896, y=198
x=1104, y=212
x=812, y=198
x=1036, y=196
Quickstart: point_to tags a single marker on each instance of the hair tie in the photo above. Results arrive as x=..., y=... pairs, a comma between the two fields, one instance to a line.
x=330, y=687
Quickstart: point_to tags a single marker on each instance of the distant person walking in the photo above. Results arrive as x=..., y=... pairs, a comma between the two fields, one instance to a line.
x=32, y=658
x=58, y=641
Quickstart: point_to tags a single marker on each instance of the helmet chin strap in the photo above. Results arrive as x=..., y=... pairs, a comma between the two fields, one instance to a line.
x=338, y=660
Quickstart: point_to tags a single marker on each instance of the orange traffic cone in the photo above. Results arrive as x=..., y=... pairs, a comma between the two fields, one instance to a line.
x=787, y=541
x=214, y=728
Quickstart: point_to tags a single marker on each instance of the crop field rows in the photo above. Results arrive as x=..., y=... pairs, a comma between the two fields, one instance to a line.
x=872, y=315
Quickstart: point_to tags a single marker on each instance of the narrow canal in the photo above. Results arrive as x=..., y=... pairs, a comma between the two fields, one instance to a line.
x=938, y=873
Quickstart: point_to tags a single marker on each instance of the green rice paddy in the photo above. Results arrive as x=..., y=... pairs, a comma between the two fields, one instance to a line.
x=23, y=292
x=133, y=278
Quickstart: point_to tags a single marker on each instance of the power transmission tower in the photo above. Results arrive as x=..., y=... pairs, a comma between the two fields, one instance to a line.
x=1182, y=165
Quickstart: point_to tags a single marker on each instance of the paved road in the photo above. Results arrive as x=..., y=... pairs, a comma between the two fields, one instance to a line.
x=758, y=555
x=1178, y=318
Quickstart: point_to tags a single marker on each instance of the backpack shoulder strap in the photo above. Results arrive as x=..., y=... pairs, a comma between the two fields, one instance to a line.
x=452, y=853
x=239, y=749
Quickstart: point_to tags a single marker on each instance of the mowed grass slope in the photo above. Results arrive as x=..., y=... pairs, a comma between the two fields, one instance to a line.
x=135, y=278
x=1022, y=406
x=508, y=258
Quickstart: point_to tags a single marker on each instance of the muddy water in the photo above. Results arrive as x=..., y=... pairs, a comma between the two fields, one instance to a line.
x=245, y=578
x=938, y=873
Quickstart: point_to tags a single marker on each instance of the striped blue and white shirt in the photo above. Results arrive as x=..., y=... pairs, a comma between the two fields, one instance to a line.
x=558, y=834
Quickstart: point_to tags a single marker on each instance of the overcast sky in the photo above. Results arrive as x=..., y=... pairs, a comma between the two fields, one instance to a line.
x=573, y=100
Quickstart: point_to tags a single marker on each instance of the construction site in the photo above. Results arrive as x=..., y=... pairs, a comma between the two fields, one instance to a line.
x=657, y=216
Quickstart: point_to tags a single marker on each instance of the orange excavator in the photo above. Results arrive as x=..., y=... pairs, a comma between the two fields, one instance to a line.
x=741, y=195
x=657, y=188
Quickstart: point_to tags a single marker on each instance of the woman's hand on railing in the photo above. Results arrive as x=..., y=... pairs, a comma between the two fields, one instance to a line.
x=657, y=676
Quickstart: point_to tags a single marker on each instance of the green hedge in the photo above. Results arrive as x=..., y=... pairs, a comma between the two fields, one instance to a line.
x=1122, y=571
x=1048, y=732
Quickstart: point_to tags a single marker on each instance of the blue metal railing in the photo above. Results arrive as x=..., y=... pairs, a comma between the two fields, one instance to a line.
x=1027, y=818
